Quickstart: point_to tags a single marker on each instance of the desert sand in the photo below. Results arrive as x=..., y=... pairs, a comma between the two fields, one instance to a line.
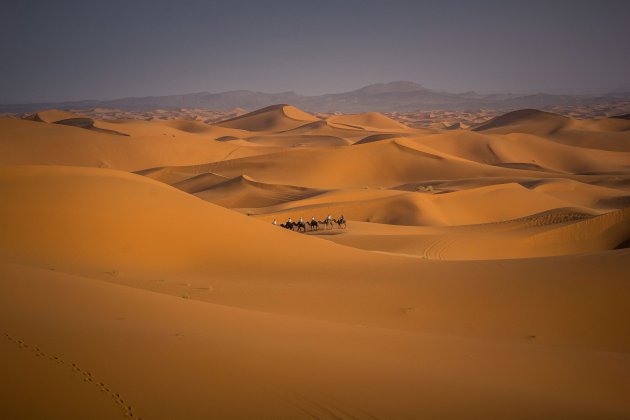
x=482, y=272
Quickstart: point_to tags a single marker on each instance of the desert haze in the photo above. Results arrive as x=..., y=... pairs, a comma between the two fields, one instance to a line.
x=481, y=273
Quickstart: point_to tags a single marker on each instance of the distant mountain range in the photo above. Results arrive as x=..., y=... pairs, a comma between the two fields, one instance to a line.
x=384, y=97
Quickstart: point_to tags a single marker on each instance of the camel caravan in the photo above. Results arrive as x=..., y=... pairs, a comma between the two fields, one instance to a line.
x=313, y=224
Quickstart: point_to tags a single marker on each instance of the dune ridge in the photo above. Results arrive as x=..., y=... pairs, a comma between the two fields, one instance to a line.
x=271, y=118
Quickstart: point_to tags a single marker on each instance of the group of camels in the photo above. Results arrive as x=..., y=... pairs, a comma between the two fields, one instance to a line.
x=314, y=224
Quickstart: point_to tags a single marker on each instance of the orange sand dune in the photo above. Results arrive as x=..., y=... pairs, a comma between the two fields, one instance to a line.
x=444, y=156
x=324, y=128
x=189, y=127
x=585, y=193
x=209, y=253
x=481, y=274
x=606, y=134
x=287, y=140
x=591, y=139
x=196, y=183
x=495, y=203
x=527, y=151
x=556, y=232
x=52, y=116
x=272, y=118
x=377, y=137
x=390, y=163
x=531, y=121
x=172, y=128
x=146, y=145
x=596, y=197
x=168, y=357
x=370, y=121
x=243, y=191
x=55, y=116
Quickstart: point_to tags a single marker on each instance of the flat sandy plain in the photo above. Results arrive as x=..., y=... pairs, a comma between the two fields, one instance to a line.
x=483, y=273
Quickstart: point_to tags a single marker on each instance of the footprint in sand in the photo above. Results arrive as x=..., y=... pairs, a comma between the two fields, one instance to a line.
x=87, y=376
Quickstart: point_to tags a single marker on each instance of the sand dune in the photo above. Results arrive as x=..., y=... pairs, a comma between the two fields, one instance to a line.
x=272, y=118
x=75, y=234
x=205, y=360
x=143, y=146
x=56, y=116
x=196, y=183
x=490, y=204
x=444, y=156
x=585, y=193
x=606, y=134
x=391, y=162
x=527, y=149
x=324, y=128
x=482, y=273
x=52, y=116
x=200, y=128
x=370, y=121
x=245, y=192
x=376, y=137
x=557, y=232
x=303, y=140
x=84, y=191
x=530, y=121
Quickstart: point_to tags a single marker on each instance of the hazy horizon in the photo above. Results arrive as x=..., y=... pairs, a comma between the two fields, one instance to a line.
x=76, y=51
x=515, y=92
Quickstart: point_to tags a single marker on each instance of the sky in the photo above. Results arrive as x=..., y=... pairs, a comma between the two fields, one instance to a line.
x=72, y=50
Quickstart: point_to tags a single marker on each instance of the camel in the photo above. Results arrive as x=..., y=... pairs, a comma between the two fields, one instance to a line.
x=340, y=223
x=301, y=226
x=287, y=225
x=314, y=224
x=328, y=224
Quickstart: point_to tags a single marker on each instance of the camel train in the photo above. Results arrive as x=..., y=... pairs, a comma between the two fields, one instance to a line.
x=313, y=224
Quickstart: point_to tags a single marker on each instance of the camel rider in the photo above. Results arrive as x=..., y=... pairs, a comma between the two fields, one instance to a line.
x=289, y=222
x=328, y=218
x=274, y=222
x=313, y=219
x=342, y=219
x=301, y=220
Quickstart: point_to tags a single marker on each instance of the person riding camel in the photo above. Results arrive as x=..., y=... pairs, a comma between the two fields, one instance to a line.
x=289, y=222
x=274, y=222
x=301, y=220
x=342, y=219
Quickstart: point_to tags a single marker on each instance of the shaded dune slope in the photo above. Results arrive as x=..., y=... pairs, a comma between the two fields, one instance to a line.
x=245, y=192
x=370, y=121
x=531, y=121
x=273, y=118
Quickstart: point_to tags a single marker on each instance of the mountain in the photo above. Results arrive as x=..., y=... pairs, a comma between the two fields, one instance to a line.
x=384, y=97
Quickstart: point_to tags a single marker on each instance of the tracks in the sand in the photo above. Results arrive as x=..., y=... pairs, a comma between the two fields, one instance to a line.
x=85, y=375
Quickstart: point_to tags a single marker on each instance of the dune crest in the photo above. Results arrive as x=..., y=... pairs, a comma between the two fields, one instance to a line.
x=535, y=121
x=272, y=118
x=371, y=121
